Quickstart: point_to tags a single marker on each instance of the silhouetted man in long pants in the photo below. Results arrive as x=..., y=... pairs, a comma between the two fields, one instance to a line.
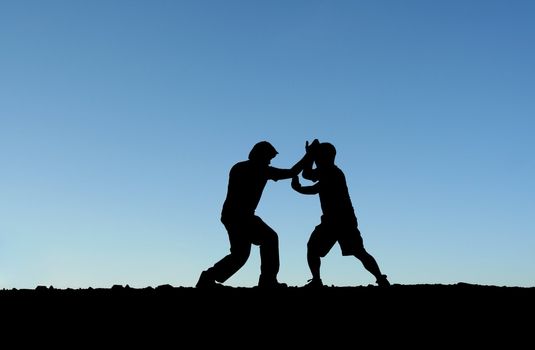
x=338, y=222
x=247, y=180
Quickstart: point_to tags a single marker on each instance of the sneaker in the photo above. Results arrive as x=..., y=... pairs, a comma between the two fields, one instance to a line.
x=206, y=280
x=314, y=283
x=383, y=282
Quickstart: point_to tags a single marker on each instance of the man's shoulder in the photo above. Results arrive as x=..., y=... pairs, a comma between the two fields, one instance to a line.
x=338, y=171
x=240, y=164
x=249, y=167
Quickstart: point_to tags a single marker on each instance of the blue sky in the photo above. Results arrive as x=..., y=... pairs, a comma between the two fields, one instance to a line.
x=119, y=122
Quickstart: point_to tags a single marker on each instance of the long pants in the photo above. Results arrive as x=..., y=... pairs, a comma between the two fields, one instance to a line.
x=242, y=233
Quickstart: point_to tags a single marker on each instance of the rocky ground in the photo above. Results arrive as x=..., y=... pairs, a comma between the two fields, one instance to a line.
x=405, y=314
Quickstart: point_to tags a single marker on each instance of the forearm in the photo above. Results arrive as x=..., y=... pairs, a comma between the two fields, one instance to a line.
x=305, y=189
x=302, y=164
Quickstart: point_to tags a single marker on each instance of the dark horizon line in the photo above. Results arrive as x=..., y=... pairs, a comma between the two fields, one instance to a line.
x=163, y=287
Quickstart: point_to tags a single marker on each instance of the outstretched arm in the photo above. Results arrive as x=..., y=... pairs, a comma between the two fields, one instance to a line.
x=314, y=189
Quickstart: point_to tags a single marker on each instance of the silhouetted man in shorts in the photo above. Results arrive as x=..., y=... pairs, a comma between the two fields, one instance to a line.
x=338, y=222
x=247, y=180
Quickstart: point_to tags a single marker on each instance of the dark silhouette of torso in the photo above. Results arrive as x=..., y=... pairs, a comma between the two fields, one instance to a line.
x=334, y=196
x=246, y=183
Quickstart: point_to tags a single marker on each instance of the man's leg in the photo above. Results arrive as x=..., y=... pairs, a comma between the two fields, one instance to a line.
x=319, y=244
x=240, y=250
x=369, y=262
x=268, y=240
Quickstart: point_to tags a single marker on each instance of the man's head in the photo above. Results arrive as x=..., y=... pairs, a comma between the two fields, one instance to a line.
x=263, y=152
x=325, y=154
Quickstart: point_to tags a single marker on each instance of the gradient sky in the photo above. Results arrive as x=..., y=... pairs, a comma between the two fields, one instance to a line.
x=119, y=122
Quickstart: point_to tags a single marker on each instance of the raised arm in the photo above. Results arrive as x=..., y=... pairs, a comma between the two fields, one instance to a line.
x=308, y=172
x=303, y=163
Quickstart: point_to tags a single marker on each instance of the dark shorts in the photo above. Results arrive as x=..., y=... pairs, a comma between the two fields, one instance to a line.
x=325, y=236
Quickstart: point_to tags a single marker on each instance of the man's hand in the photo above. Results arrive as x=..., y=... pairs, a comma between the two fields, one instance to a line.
x=295, y=183
x=312, y=147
